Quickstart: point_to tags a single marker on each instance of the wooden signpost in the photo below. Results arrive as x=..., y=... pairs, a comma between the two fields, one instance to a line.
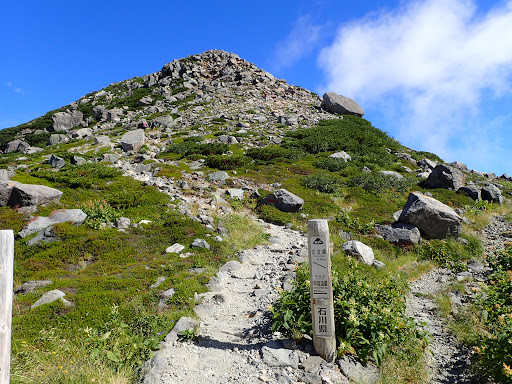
x=6, y=281
x=322, y=308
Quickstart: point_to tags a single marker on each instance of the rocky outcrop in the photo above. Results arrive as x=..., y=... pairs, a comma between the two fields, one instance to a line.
x=360, y=250
x=444, y=176
x=284, y=201
x=14, y=194
x=433, y=218
x=64, y=121
x=492, y=194
x=400, y=234
x=341, y=105
x=133, y=140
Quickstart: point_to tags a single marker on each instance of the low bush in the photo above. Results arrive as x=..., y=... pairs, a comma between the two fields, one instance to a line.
x=378, y=182
x=273, y=215
x=322, y=182
x=81, y=176
x=354, y=224
x=99, y=212
x=227, y=162
x=274, y=152
x=330, y=164
x=494, y=352
x=370, y=318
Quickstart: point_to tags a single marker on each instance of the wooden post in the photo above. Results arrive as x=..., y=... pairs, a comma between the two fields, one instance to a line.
x=6, y=287
x=322, y=308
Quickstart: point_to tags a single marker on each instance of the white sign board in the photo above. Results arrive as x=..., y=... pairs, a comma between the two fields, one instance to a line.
x=323, y=326
x=319, y=267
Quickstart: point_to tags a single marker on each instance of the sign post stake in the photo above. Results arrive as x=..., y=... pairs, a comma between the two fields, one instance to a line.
x=322, y=308
x=6, y=282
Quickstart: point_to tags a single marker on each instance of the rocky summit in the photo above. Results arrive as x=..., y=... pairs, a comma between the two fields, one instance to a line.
x=161, y=228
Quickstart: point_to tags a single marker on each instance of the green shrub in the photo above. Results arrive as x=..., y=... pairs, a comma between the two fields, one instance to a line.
x=273, y=215
x=194, y=139
x=227, y=162
x=351, y=134
x=125, y=343
x=99, y=212
x=322, y=181
x=330, y=164
x=80, y=176
x=354, y=224
x=494, y=352
x=274, y=152
x=38, y=139
x=378, y=182
x=370, y=318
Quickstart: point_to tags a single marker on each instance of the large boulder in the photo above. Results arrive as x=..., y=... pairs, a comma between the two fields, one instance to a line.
x=341, y=105
x=284, y=201
x=115, y=114
x=57, y=138
x=75, y=216
x=360, y=250
x=445, y=176
x=64, y=121
x=24, y=195
x=16, y=146
x=403, y=234
x=433, y=218
x=472, y=191
x=133, y=140
x=492, y=193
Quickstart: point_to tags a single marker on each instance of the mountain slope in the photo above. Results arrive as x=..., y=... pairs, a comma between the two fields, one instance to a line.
x=146, y=160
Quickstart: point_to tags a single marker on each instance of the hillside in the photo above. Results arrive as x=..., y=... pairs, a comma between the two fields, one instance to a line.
x=127, y=202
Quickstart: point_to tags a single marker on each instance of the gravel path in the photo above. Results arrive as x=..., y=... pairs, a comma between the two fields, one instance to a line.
x=450, y=362
x=236, y=344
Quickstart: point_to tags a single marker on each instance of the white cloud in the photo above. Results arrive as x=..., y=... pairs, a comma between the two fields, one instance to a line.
x=301, y=41
x=430, y=64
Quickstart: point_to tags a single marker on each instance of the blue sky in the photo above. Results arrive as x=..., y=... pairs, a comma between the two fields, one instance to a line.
x=434, y=74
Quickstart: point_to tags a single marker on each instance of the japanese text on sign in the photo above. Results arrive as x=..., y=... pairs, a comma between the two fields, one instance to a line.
x=323, y=326
x=319, y=264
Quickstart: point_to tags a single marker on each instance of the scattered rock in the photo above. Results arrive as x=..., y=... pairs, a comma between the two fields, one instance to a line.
x=433, y=218
x=363, y=252
x=444, y=176
x=50, y=297
x=341, y=105
x=283, y=200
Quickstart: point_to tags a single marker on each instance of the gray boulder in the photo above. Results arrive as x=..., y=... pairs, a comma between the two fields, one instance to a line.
x=133, y=140
x=472, y=191
x=145, y=101
x=50, y=297
x=24, y=195
x=56, y=162
x=394, y=174
x=444, y=176
x=402, y=235
x=64, y=121
x=218, y=176
x=102, y=140
x=492, y=193
x=341, y=155
x=81, y=133
x=77, y=160
x=356, y=372
x=57, y=138
x=279, y=357
x=433, y=218
x=115, y=114
x=183, y=324
x=363, y=252
x=341, y=105
x=99, y=112
x=5, y=175
x=47, y=235
x=426, y=164
x=284, y=200
x=31, y=286
x=16, y=146
x=75, y=216
x=200, y=243
x=175, y=248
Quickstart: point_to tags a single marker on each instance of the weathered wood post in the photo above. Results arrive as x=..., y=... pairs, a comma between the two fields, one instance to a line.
x=6, y=282
x=322, y=308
